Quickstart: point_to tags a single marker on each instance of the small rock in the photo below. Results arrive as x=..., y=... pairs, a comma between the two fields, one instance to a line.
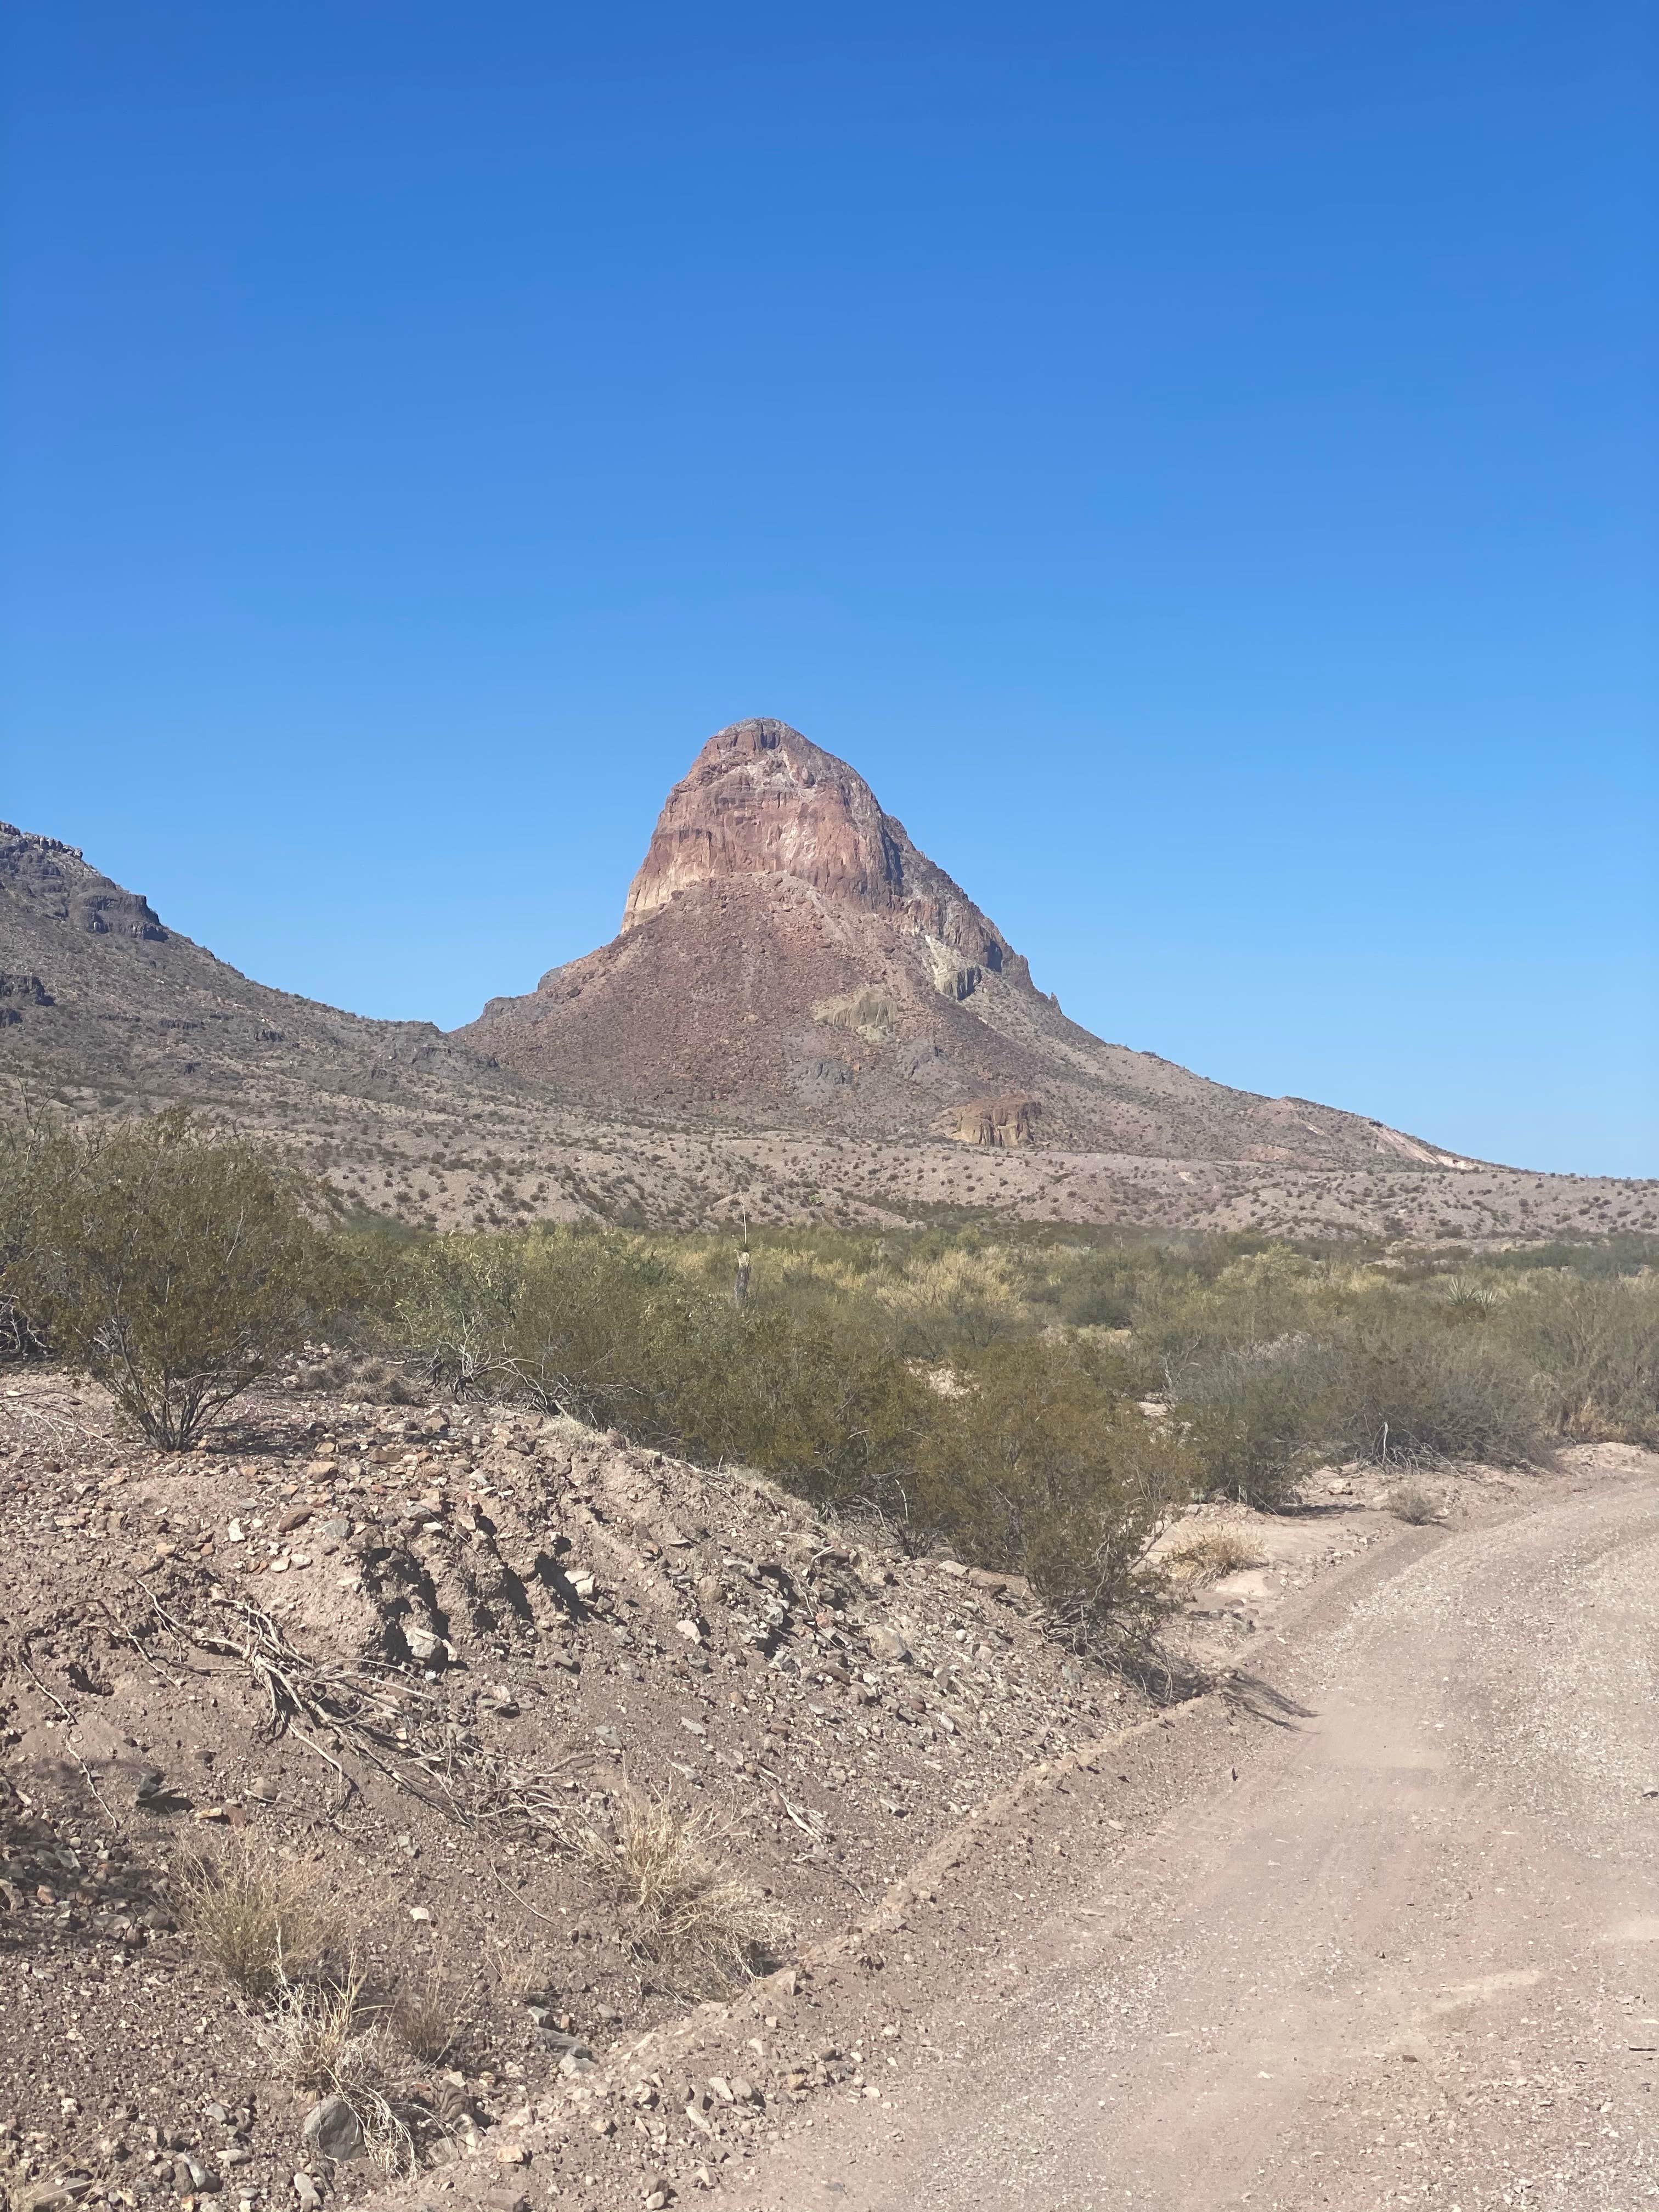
x=426, y=1647
x=262, y=1790
x=690, y=1630
x=305, y=2189
x=335, y=2131
x=419, y=1912
x=888, y=1644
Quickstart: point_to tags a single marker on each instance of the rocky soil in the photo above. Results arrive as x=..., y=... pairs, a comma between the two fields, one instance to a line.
x=414, y=1654
x=407, y=1652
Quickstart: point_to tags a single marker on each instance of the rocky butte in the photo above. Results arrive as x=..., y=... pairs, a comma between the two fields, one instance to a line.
x=787, y=955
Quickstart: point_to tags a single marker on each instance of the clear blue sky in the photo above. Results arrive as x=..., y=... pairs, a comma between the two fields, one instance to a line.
x=1190, y=457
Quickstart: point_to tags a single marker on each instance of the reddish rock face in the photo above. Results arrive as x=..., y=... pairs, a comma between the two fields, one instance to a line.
x=788, y=959
x=761, y=801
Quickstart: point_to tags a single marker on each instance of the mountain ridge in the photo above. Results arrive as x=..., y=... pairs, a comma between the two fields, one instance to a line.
x=789, y=955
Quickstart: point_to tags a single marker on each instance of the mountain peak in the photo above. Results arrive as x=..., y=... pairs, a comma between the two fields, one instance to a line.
x=761, y=800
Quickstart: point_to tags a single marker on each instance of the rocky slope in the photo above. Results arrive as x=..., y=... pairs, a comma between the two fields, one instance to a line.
x=787, y=956
x=489, y=1635
x=98, y=994
x=804, y=1019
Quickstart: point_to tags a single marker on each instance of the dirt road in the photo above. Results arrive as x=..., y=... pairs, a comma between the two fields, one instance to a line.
x=1411, y=1957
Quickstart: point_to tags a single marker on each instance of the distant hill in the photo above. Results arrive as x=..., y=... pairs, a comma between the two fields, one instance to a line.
x=97, y=993
x=803, y=1017
x=788, y=957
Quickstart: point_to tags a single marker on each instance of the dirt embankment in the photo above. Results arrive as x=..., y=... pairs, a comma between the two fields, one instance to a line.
x=1362, y=1923
x=411, y=1656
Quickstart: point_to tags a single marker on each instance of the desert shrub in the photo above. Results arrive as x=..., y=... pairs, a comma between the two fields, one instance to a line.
x=1409, y=1501
x=172, y=1264
x=261, y=1921
x=606, y=1331
x=703, y=1929
x=436, y=2010
x=26, y=1147
x=1594, y=1344
x=330, y=2042
x=1036, y=1464
x=1250, y=1420
x=1405, y=1391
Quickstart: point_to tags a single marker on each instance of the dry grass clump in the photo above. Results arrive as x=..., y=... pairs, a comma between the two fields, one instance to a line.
x=329, y=2044
x=1210, y=1555
x=1409, y=1501
x=705, y=1930
x=263, y=1921
x=437, y=2010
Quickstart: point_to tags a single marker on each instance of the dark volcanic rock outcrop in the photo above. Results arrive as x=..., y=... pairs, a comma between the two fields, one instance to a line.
x=788, y=957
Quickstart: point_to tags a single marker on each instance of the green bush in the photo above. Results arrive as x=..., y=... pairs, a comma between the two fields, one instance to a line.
x=173, y=1265
x=1410, y=1392
x=1594, y=1344
x=1034, y=1463
x=1252, y=1422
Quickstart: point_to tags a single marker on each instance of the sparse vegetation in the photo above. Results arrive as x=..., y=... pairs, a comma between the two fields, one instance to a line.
x=329, y=2044
x=977, y=1392
x=262, y=1923
x=172, y=1264
x=703, y=1929
x=1409, y=1501
x=1207, y=1555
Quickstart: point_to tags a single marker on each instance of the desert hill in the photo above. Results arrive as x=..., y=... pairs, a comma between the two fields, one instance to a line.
x=97, y=991
x=802, y=1019
x=788, y=957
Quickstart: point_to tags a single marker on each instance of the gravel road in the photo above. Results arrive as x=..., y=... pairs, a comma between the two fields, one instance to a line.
x=1410, y=1957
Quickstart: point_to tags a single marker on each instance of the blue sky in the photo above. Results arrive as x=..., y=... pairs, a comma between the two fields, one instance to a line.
x=1193, y=460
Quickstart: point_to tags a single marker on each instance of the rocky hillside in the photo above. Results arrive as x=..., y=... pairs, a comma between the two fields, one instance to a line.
x=98, y=994
x=803, y=1019
x=788, y=957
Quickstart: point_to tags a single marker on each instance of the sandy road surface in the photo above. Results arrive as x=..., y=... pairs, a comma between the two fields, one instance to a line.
x=1410, y=1958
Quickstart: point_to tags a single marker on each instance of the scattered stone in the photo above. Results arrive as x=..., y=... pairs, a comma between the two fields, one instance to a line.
x=305, y=2189
x=426, y=1647
x=334, y=2130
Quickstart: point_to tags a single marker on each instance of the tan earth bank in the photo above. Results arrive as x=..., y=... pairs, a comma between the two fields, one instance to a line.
x=1353, y=1907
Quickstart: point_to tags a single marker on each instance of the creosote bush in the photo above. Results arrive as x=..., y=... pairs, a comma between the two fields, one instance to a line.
x=172, y=1264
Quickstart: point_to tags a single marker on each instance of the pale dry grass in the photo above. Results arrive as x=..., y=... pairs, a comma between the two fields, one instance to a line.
x=1210, y=1555
x=328, y=2046
x=262, y=1921
x=1410, y=1501
x=704, y=1929
x=437, y=2010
